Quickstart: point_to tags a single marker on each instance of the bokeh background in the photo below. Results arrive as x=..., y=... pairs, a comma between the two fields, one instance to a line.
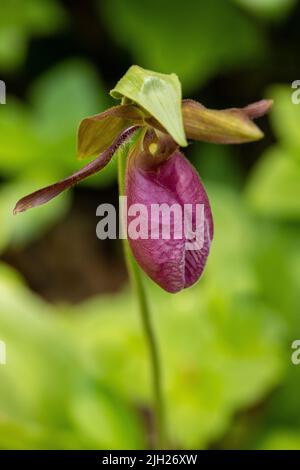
x=77, y=372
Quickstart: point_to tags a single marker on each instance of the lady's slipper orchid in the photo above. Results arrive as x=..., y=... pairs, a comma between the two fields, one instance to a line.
x=171, y=182
x=157, y=172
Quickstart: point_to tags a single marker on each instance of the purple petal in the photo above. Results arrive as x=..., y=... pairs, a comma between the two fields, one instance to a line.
x=258, y=109
x=44, y=195
x=167, y=261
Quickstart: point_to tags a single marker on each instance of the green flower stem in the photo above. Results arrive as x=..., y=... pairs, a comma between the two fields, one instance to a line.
x=138, y=285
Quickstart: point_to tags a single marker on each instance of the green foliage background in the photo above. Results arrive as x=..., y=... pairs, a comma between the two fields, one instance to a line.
x=77, y=374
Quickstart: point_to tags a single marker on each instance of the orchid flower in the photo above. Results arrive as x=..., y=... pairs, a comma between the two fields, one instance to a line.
x=156, y=169
x=150, y=126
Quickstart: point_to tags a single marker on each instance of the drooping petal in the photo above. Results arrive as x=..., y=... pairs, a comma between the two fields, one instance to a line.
x=175, y=182
x=257, y=109
x=44, y=195
x=96, y=133
x=229, y=126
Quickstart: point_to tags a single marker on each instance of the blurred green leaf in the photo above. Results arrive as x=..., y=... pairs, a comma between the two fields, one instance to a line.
x=48, y=390
x=45, y=134
x=281, y=439
x=195, y=40
x=216, y=163
x=19, y=21
x=230, y=259
x=18, y=231
x=19, y=144
x=278, y=251
x=64, y=96
x=285, y=118
x=103, y=419
x=273, y=189
x=18, y=434
x=269, y=9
